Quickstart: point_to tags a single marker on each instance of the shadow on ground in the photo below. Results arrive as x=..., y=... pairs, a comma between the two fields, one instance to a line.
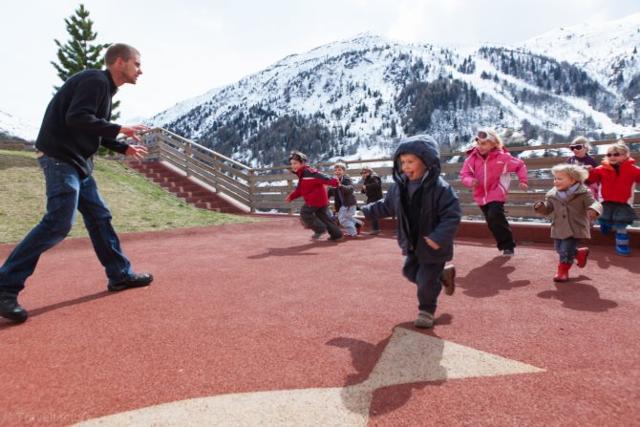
x=365, y=357
x=63, y=304
x=579, y=296
x=476, y=285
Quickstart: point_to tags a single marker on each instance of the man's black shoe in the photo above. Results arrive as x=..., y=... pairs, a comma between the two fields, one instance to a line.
x=136, y=280
x=10, y=309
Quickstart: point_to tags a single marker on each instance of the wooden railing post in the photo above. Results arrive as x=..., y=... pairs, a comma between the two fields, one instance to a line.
x=152, y=142
x=252, y=190
x=188, y=153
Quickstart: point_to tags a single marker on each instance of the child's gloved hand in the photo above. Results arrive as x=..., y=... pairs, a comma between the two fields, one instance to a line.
x=538, y=207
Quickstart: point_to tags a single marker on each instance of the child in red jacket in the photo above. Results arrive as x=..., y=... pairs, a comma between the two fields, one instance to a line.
x=617, y=176
x=315, y=213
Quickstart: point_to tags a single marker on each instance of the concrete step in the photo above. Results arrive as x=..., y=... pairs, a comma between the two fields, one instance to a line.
x=145, y=166
x=168, y=182
x=157, y=179
x=196, y=193
x=212, y=199
x=197, y=199
x=163, y=174
x=209, y=206
x=173, y=181
x=166, y=176
x=183, y=187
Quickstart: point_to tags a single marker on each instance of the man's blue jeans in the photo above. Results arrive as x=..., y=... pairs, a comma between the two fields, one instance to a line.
x=66, y=193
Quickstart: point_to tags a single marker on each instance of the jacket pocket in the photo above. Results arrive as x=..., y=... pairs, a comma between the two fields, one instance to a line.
x=426, y=252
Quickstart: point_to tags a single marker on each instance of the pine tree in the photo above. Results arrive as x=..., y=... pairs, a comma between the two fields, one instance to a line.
x=81, y=52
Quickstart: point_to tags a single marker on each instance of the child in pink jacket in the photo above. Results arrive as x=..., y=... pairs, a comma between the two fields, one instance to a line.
x=487, y=171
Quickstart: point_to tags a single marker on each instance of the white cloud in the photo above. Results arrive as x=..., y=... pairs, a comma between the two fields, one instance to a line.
x=189, y=47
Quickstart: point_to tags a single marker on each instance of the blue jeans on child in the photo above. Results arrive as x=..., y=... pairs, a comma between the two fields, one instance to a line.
x=427, y=278
x=345, y=217
x=66, y=193
x=566, y=249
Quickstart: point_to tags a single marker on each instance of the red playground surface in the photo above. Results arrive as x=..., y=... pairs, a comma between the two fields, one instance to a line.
x=255, y=324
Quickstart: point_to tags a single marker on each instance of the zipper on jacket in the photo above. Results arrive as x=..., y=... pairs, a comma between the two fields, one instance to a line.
x=485, y=180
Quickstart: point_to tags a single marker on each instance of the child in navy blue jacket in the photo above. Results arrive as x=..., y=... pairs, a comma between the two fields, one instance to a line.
x=428, y=214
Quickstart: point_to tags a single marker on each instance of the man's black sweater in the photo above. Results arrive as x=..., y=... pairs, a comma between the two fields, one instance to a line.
x=76, y=122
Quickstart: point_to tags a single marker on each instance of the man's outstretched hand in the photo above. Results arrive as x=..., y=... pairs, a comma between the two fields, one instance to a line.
x=134, y=131
x=136, y=151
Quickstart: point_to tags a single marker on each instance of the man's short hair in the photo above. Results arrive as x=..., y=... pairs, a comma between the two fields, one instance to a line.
x=119, y=50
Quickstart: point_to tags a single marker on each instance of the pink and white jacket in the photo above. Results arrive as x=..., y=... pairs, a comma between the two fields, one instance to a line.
x=493, y=173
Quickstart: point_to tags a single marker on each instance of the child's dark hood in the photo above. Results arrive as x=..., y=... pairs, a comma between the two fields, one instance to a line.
x=423, y=146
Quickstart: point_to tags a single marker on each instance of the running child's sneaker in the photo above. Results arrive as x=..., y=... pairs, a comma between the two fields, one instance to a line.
x=448, y=279
x=424, y=320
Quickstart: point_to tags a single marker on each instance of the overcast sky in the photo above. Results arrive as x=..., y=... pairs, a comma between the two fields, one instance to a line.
x=191, y=46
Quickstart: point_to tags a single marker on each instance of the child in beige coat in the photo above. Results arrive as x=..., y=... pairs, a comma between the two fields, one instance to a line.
x=571, y=207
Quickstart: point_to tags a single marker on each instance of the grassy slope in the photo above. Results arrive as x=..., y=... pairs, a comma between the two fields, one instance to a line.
x=136, y=203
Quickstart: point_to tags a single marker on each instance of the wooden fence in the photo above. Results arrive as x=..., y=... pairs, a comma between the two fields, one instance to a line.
x=264, y=189
x=16, y=144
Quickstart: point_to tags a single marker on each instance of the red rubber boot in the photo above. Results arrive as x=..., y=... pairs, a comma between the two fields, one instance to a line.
x=581, y=257
x=563, y=272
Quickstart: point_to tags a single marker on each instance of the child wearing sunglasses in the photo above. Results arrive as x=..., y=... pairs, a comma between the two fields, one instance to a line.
x=617, y=176
x=580, y=148
x=571, y=207
x=487, y=171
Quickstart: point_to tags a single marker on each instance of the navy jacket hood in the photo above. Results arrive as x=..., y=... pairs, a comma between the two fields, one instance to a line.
x=423, y=146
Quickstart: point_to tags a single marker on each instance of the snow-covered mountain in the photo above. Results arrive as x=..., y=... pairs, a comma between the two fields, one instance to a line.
x=355, y=98
x=609, y=51
x=12, y=127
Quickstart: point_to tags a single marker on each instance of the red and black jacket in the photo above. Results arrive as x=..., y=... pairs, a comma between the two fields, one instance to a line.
x=312, y=187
